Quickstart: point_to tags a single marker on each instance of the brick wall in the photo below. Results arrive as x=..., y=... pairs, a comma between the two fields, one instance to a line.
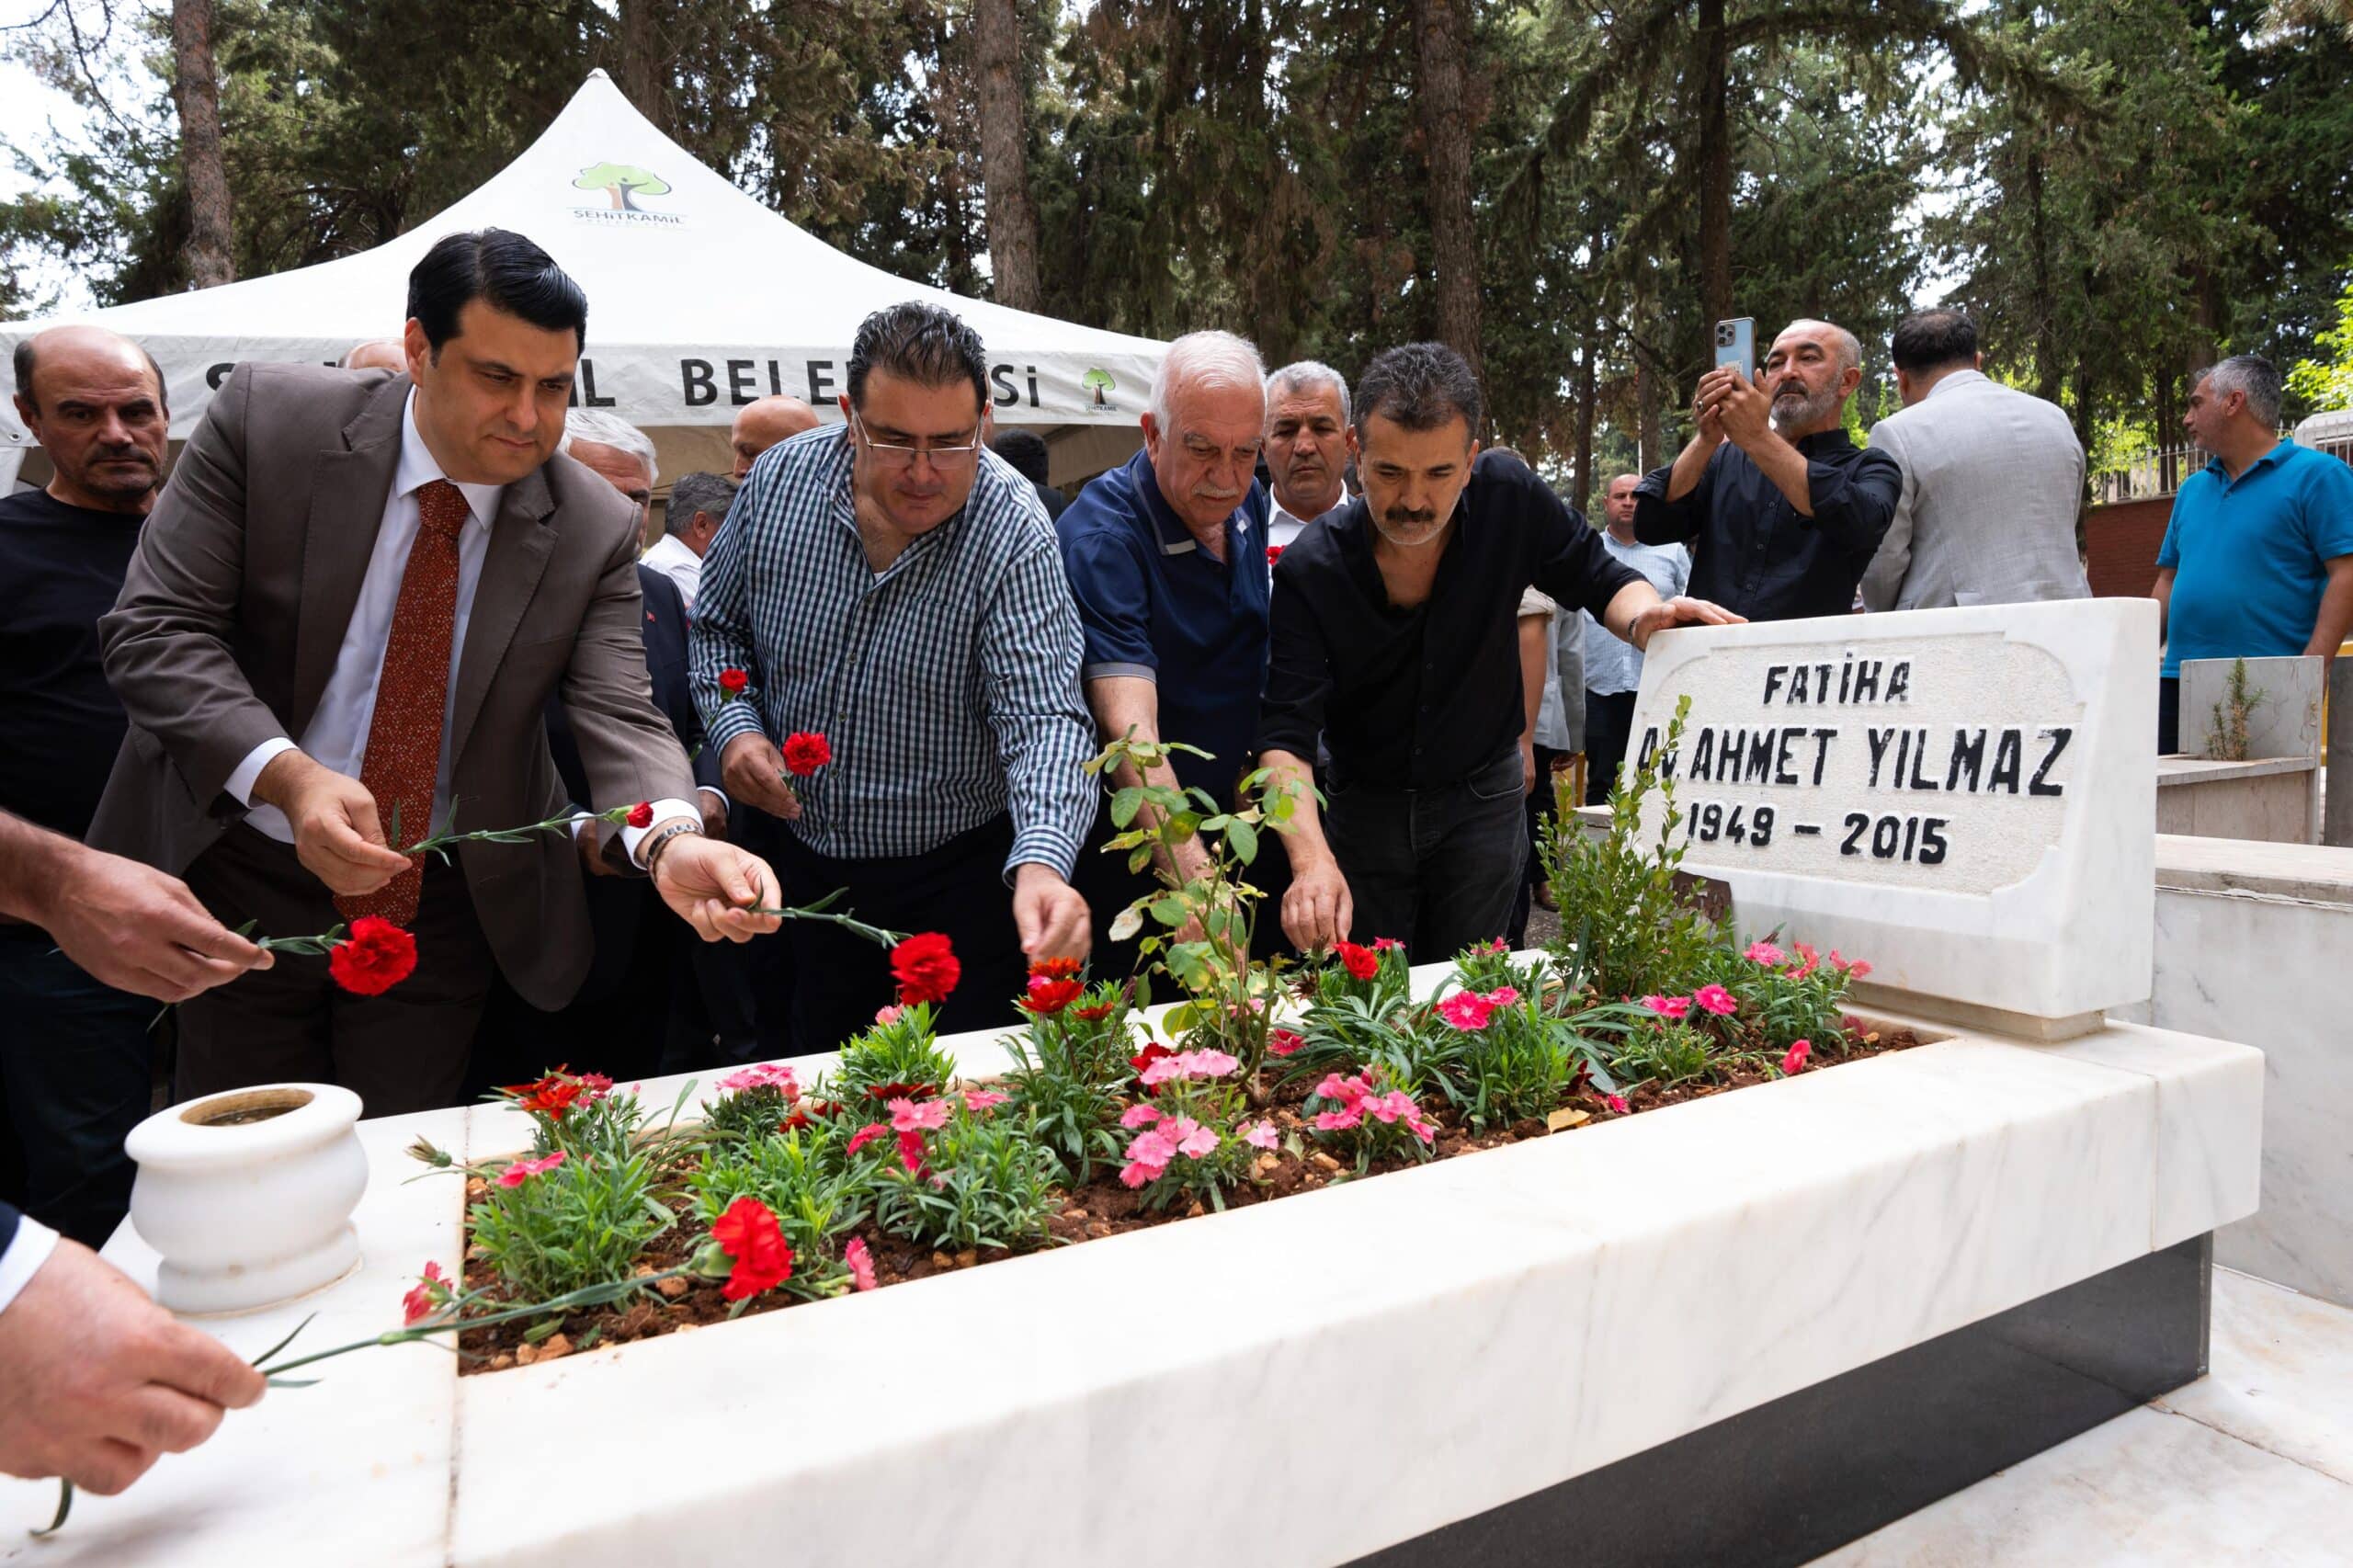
x=2120, y=541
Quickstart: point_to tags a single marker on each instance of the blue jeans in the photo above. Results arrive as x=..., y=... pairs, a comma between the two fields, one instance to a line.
x=74, y=1079
x=1437, y=868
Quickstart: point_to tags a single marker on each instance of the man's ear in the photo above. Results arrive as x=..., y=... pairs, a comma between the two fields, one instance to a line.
x=27, y=415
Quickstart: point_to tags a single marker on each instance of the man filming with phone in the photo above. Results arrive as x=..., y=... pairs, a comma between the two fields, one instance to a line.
x=1782, y=510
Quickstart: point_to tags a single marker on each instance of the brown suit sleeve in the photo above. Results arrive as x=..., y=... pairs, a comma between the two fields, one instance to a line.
x=168, y=641
x=626, y=745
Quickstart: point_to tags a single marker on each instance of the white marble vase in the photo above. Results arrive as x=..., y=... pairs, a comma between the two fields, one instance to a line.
x=248, y=1195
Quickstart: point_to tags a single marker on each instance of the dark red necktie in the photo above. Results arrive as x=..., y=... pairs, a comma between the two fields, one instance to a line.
x=411, y=695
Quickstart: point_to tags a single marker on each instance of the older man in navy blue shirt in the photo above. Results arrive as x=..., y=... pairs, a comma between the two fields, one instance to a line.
x=1166, y=557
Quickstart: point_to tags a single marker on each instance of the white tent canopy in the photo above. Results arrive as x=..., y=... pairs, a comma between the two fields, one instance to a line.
x=700, y=300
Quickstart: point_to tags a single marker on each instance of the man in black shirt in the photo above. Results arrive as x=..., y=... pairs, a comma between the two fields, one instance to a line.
x=74, y=1053
x=1782, y=513
x=1395, y=633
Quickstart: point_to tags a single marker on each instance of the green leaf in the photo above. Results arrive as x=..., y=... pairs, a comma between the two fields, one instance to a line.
x=1170, y=912
x=1124, y=805
x=1244, y=839
x=1139, y=858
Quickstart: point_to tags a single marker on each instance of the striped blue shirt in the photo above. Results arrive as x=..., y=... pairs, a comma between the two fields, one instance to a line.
x=947, y=684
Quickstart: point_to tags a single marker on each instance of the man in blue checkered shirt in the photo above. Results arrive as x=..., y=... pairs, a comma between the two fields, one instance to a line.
x=895, y=586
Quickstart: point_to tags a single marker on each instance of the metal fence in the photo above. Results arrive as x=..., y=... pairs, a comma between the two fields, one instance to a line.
x=2161, y=471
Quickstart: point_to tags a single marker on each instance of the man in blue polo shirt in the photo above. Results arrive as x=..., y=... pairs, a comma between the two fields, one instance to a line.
x=2258, y=560
x=1166, y=558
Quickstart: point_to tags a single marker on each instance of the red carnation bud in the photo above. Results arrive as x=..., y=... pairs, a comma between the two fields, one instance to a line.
x=733, y=682
x=642, y=815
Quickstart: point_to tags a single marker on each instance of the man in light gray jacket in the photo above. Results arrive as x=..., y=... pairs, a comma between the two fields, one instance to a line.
x=1993, y=480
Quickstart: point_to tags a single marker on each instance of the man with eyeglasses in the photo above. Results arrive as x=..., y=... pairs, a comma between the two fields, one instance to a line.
x=894, y=588
x=1166, y=557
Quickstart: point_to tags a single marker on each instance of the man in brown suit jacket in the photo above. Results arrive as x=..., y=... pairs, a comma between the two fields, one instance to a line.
x=356, y=594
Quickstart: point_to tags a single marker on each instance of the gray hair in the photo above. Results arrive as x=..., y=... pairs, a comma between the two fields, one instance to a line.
x=1206, y=358
x=599, y=428
x=1850, y=348
x=1309, y=375
x=2254, y=376
x=712, y=493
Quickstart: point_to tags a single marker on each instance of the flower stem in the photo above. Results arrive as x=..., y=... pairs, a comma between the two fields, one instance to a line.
x=875, y=933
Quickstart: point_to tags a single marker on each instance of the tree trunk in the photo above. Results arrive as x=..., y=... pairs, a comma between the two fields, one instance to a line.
x=1649, y=438
x=642, y=61
x=1588, y=394
x=1439, y=28
x=1004, y=154
x=2048, y=374
x=196, y=89
x=1715, y=164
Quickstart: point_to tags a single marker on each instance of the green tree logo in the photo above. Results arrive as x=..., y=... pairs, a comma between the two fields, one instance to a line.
x=1099, y=381
x=620, y=182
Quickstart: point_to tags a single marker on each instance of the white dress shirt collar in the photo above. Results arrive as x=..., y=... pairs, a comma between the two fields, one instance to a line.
x=419, y=468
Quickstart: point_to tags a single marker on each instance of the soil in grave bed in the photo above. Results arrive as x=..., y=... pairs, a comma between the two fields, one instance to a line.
x=1102, y=1208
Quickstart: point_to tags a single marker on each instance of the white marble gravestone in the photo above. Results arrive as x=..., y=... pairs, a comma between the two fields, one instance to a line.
x=1960, y=796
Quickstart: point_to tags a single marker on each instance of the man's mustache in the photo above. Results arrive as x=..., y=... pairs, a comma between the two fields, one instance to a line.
x=1403, y=515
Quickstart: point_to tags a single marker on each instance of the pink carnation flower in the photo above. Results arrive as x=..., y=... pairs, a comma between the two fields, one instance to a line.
x=1208, y=1064
x=1341, y=1119
x=1152, y=1148
x=1668, y=1006
x=1136, y=1174
x=1617, y=1102
x=1765, y=953
x=1198, y=1143
x=521, y=1171
x=889, y=1015
x=1716, y=999
x=765, y=1076
x=862, y=1263
x=1502, y=997
x=1795, y=1061
x=1137, y=1116
x=1282, y=1042
x=978, y=1100
x=1261, y=1134
x=867, y=1134
x=919, y=1116
x=1466, y=1011
x=1812, y=961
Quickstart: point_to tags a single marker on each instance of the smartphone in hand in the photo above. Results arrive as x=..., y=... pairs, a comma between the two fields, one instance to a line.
x=1736, y=345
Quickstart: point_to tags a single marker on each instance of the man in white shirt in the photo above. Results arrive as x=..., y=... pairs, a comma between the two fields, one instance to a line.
x=1992, y=481
x=1309, y=444
x=341, y=630
x=1613, y=669
x=699, y=504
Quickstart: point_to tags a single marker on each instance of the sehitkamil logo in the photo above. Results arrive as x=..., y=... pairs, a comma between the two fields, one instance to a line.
x=1097, y=380
x=622, y=185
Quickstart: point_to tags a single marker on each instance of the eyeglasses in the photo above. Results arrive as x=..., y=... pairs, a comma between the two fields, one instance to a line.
x=946, y=457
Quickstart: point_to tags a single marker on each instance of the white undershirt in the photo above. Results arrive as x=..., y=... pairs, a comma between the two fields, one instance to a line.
x=26, y=1252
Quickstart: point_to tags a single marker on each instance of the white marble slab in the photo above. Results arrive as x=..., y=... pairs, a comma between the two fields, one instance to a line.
x=354, y=1470
x=1337, y=1372
x=2255, y=939
x=2037, y=906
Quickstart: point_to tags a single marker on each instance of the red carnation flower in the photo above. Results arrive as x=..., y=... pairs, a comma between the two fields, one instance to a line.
x=1054, y=969
x=1048, y=996
x=804, y=754
x=552, y=1094
x=926, y=968
x=902, y=1091
x=1362, y=963
x=747, y=1233
x=1148, y=1055
x=642, y=815
x=1274, y=553
x=1094, y=1012
x=733, y=682
x=376, y=956
x=911, y=1153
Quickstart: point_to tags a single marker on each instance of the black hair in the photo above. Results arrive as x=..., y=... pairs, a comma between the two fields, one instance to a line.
x=22, y=361
x=1929, y=340
x=926, y=345
x=505, y=271
x=1026, y=451
x=1419, y=386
